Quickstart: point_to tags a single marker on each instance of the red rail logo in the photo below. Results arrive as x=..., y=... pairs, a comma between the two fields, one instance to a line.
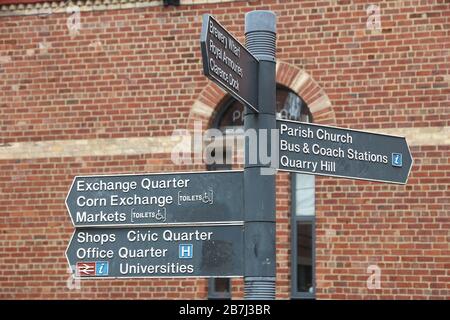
x=85, y=269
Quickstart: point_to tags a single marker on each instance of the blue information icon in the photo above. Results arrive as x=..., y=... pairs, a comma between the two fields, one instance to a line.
x=397, y=160
x=101, y=268
x=185, y=251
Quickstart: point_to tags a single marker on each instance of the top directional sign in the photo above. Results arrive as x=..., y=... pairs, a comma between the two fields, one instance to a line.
x=213, y=197
x=331, y=151
x=229, y=63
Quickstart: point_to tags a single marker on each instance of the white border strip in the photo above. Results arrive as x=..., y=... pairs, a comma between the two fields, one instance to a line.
x=47, y=8
x=417, y=136
x=93, y=147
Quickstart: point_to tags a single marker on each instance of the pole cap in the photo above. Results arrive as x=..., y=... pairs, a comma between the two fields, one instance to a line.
x=260, y=20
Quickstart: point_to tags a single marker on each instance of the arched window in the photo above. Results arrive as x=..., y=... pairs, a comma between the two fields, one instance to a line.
x=289, y=106
x=230, y=119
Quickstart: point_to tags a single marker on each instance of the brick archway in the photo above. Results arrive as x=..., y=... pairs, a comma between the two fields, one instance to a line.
x=288, y=75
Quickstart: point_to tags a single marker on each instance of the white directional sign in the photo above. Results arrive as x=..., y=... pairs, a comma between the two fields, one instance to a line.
x=228, y=63
x=154, y=199
x=338, y=152
x=196, y=251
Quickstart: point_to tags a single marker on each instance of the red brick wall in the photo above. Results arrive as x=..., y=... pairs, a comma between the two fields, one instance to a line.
x=402, y=230
x=137, y=73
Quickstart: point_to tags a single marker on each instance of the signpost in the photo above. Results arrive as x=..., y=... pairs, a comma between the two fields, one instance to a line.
x=259, y=188
x=213, y=197
x=337, y=152
x=229, y=63
x=200, y=251
x=192, y=224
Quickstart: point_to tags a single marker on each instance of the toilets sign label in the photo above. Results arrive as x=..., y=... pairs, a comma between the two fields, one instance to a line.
x=213, y=197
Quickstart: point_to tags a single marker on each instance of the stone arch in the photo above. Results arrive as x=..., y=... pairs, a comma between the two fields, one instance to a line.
x=299, y=81
x=288, y=75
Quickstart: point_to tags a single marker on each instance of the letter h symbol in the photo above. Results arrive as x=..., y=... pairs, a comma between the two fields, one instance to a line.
x=185, y=251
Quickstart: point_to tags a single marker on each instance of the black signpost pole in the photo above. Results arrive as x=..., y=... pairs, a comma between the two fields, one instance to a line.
x=259, y=183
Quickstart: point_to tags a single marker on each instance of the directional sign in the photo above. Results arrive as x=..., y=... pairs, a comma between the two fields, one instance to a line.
x=202, y=251
x=229, y=63
x=213, y=197
x=331, y=151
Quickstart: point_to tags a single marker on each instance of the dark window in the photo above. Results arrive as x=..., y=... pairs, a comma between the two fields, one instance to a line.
x=225, y=157
x=289, y=106
x=304, y=257
x=219, y=288
x=303, y=236
x=171, y=3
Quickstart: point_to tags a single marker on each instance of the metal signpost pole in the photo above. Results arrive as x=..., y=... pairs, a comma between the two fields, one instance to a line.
x=259, y=189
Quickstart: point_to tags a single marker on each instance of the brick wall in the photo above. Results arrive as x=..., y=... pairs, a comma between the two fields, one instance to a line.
x=136, y=74
x=402, y=230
